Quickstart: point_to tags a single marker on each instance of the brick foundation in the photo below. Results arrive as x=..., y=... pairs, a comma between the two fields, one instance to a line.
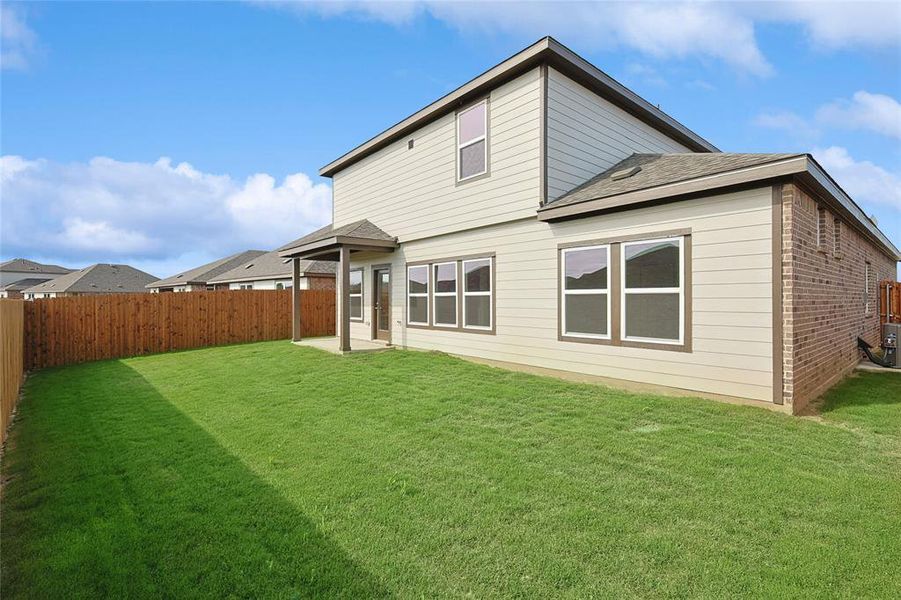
x=823, y=297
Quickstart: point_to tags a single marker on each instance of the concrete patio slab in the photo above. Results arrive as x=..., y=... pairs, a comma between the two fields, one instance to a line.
x=357, y=346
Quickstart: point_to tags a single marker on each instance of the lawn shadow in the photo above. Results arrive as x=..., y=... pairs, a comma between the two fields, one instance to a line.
x=117, y=493
x=863, y=389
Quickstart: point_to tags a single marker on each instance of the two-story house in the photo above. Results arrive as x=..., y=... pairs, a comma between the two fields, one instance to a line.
x=543, y=214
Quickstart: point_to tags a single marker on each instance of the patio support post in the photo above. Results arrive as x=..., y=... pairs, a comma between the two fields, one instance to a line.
x=343, y=303
x=295, y=300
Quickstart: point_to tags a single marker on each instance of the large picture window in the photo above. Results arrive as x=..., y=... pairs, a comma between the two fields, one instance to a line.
x=585, y=285
x=477, y=298
x=472, y=141
x=418, y=295
x=652, y=307
x=355, y=291
x=445, y=294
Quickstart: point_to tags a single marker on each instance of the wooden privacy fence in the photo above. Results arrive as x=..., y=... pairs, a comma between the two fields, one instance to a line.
x=889, y=301
x=62, y=331
x=12, y=330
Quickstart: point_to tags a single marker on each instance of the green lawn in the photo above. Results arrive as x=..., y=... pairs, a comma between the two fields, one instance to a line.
x=267, y=470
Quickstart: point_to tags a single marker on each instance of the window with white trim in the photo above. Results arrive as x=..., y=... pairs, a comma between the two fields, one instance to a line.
x=245, y=286
x=355, y=291
x=653, y=288
x=418, y=295
x=477, y=294
x=821, y=228
x=445, y=294
x=472, y=141
x=585, y=282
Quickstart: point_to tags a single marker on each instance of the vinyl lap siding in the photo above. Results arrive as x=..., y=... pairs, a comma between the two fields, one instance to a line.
x=413, y=193
x=731, y=296
x=587, y=135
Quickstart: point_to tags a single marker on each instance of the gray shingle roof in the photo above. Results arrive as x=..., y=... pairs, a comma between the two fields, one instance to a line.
x=204, y=273
x=23, y=265
x=661, y=169
x=362, y=230
x=100, y=278
x=273, y=266
x=22, y=284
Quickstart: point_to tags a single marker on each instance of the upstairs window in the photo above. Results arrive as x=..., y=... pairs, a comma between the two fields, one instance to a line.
x=472, y=141
x=652, y=291
x=418, y=295
x=586, y=284
x=356, y=295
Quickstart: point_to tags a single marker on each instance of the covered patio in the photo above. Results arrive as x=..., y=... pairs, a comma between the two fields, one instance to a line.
x=336, y=244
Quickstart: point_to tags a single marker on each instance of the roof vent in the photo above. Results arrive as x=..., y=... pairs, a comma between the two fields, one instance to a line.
x=625, y=173
x=248, y=265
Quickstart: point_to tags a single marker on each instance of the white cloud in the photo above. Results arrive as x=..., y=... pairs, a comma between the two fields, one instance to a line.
x=785, y=120
x=18, y=43
x=107, y=210
x=870, y=185
x=841, y=24
x=658, y=29
x=722, y=31
x=874, y=112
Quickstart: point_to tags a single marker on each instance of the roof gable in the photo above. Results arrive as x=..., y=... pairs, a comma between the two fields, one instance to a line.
x=99, y=278
x=545, y=51
x=205, y=273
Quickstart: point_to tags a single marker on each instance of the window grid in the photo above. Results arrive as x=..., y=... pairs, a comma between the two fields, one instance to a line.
x=358, y=295
x=821, y=227
x=638, y=291
x=463, y=145
x=594, y=291
x=836, y=236
x=438, y=294
x=468, y=294
x=425, y=294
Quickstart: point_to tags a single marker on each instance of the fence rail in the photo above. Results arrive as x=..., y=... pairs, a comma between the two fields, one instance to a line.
x=12, y=330
x=889, y=301
x=62, y=331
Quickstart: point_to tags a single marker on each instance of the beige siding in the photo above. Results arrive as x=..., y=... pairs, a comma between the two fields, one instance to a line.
x=731, y=293
x=414, y=193
x=587, y=134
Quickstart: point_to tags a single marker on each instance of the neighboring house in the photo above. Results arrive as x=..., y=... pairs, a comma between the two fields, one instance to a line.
x=20, y=269
x=198, y=278
x=15, y=289
x=272, y=272
x=545, y=215
x=101, y=278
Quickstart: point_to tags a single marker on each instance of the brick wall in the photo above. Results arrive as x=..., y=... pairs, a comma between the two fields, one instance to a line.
x=823, y=297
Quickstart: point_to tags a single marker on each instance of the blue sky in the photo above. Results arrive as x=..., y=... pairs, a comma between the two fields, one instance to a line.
x=168, y=134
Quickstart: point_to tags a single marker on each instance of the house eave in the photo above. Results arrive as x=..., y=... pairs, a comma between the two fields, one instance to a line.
x=802, y=168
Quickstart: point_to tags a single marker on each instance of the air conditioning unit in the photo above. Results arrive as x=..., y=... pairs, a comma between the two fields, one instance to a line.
x=891, y=335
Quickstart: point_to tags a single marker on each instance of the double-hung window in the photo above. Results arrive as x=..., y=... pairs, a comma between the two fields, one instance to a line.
x=477, y=300
x=472, y=141
x=445, y=294
x=585, y=284
x=418, y=295
x=653, y=287
x=356, y=295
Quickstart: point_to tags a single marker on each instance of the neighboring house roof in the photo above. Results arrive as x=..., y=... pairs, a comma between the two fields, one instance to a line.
x=23, y=265
x=643, y=178
x=23, y=284
x=546, y=50
x=360, y=232
x=204, y=273
x=98, y=279
x=273, y=266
